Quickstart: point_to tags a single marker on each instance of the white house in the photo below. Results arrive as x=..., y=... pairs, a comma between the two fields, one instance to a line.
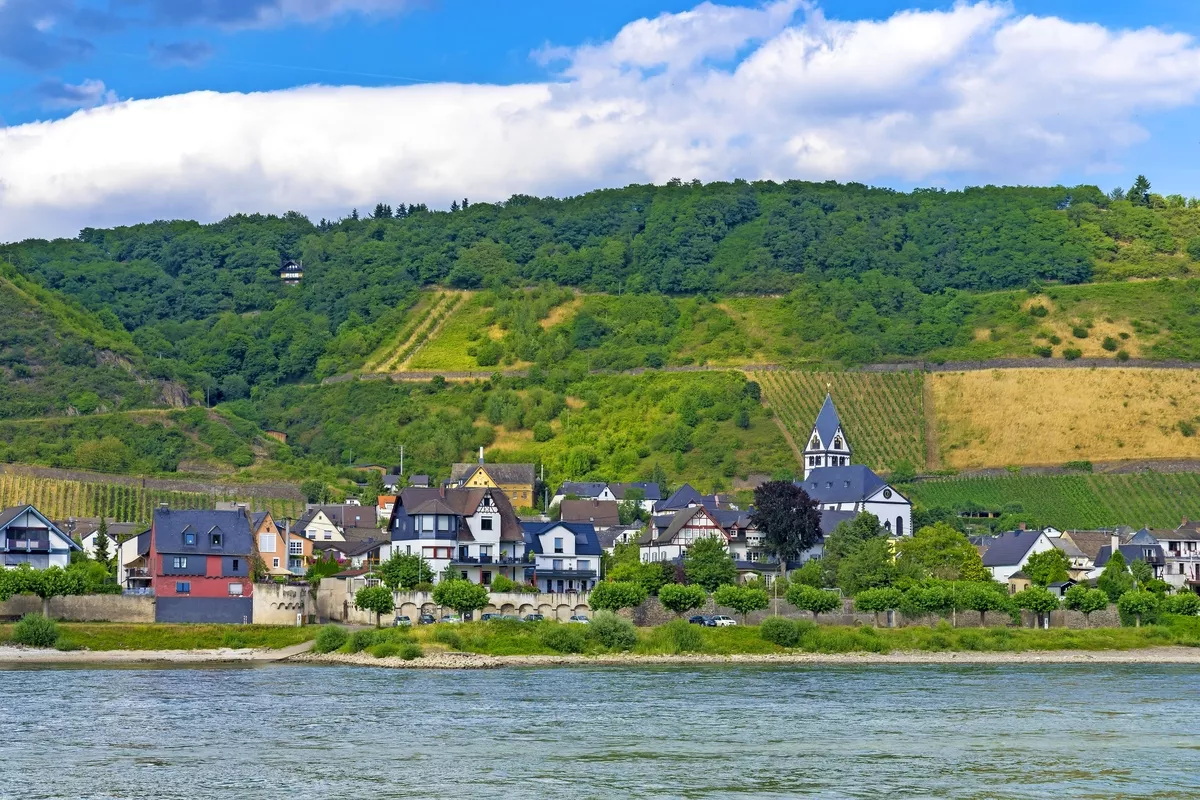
x=594, y=490
x=28, y=537
x=1007, y=553
x=1181, y=550
x=328, y=523
x=668, y=537
x=566, y=555
x=473, y=531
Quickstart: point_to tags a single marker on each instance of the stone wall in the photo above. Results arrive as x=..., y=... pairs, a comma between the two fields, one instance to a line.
x=84, y=608
x=279, y=604
x=335, y=603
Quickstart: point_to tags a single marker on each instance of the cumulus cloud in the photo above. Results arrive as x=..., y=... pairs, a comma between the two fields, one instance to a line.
x=976, y=93
x=90, y=93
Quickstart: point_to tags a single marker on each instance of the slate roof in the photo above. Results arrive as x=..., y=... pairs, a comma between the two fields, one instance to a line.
x=602, y=513
x=86, y=526
x=586, y=541
x=831, y=519
x=1132, y=552
x=1006, y=549
x=500, y=473
x=650, y=490
x=851, y=484
x=1068, y=548
x=170, y=524
x=1090, y=542
x=392, y=481
x=7, y=515
x=581, y=489
x=828, y=422
x=340, y=515
x=1180, y=534
x=686, y=496
x=460, y=503
x=419, y=481
x=608, y=536
x=656, y=534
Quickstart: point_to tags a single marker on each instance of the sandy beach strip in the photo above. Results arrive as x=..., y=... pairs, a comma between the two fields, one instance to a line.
x=29, y=656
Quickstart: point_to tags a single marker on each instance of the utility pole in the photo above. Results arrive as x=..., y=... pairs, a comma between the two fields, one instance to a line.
x=401, y=459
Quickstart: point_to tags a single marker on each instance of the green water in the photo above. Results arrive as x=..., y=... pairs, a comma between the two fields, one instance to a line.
x=869, y=732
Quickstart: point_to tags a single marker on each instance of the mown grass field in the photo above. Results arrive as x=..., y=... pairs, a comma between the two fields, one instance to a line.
x=883, y=414
x=161, y=636
x=1073, y=501
x=1047, y=416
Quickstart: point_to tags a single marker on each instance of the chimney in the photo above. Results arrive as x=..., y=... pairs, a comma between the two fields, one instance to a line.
x=481, y=454
x=1115, y=544
x=163, y=507
x=1021, y=525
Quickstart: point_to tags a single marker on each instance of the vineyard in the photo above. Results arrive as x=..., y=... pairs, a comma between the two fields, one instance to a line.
x=1073, y=501
x=883, y=413
x=59, y=499
x=427, y=317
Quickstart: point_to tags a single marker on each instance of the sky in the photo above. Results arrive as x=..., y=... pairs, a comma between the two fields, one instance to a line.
x=125, y=111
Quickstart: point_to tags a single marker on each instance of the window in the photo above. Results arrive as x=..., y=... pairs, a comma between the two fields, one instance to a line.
x=189, y=538
x=887, y=494
x=464, y=575
x=837, y=443
x=236, y=564
x=558, y=544
x=1148, y=554
x=216, y=540
x=485, y=577
x=183, y=587
x=558, y=563
x=179, y=562
x=274, y=562
x=585, y=564
x=235, y=590
x=266, y=542
x=426, y=522
x=295, y=548
x=443, y=523
x=328, y=536
x=485, y=524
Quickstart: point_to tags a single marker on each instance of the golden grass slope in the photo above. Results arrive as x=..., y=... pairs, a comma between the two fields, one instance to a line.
x=1051, y=416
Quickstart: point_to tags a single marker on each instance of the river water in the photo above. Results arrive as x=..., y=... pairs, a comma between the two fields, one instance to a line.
x=330, y=732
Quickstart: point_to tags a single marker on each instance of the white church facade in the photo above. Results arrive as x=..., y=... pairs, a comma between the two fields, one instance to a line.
x=838, y=485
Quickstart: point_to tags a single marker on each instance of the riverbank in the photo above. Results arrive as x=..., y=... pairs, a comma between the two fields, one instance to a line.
x=11, y=655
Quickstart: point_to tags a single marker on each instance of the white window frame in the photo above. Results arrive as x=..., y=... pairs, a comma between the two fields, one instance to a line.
x=241, y=592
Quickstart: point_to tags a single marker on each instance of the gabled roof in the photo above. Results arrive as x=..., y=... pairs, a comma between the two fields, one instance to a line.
x=828, y=423
x=500, y=473
x=86, y=526
x=650, y=490
x=581, y=489
x=358, y=541
x=257, y=519
x=460, y=503
x=234, y=527
x=1131, y=553
x=1006, y=549
x=1090, y=542
x=340, y=515
x=657, y=535
x=602, y=513
x=9, y=514
x=586, y=541
x=392, y=481
x=851, y=484
x=682, y=497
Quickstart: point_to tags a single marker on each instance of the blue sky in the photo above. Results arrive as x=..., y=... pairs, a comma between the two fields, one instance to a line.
x=77, y=64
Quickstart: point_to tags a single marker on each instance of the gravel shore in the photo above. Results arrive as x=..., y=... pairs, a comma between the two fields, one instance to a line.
x=30, y=656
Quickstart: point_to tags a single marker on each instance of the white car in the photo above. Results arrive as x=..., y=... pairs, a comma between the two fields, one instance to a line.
x=580, y=619
x=721, y=621
x=451, y=619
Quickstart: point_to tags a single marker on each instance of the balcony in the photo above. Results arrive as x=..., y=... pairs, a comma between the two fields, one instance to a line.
x=137, y=574
x=554, y=574
x=494, y=561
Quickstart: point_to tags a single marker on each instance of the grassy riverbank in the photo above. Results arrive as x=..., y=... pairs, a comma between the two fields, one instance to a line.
x=105, y=636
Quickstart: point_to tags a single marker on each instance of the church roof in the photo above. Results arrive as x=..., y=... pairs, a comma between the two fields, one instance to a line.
x=851, y=484
x=828, y=422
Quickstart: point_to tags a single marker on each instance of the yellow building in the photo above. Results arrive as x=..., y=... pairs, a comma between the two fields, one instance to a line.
x=517, y=481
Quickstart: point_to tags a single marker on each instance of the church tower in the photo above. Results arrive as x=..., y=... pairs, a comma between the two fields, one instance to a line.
x=827, y=444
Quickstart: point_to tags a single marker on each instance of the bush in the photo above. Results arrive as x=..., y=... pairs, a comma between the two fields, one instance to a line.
x=1186, y=428
x=1187, y=605
x=1044, y=352
x=542, y=432
x=1072, y=353
x=684, y=637
x=1038, y=311
x=385, y=650
x=1055, y=339
x=502, y=584
x=1079, y=332
x=780, y=631
x=565, y=638
x=34, y=630
x=1122, y=355
x=361, y=640
x=329, y=638
x=612, y=631
x=1109, y=344
x=448, y=636
x=410, y=651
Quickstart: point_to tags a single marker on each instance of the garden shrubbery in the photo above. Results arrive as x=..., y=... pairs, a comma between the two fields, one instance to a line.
x=34, y=630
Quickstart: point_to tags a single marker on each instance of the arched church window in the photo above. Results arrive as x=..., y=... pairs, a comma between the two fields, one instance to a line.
x=837, y=443
x=814, y=444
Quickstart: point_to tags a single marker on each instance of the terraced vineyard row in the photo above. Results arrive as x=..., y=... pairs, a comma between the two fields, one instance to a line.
x=1073, y=501
x=59, y=499
x=418, y=315
x=443, y=308
x=883, y=413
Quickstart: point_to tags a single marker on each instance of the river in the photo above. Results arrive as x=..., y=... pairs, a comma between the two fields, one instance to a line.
x=713, y=732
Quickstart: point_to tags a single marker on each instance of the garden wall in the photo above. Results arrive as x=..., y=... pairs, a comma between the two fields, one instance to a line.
x=84, y=608
x=279, y=604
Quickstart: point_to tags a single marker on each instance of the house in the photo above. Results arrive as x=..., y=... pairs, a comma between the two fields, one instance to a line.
x=1088, y=544
x=283, y=552
x=133, y=564
x=619, y=534
x=601, y=513
x=473, y=531
x=28, y=537
x=1140, y=545
x=651, y=494
x=1019, y=582
x=291, y=272
x=86, y=531
x=518, y=481
x=687, y=497
x=362, y=547
x=1059, y=588
x=1006, y=553
x=383, y=507
x=838, y=485
x=1181, y=553
x=419, y=481
x=1080, y=563
x=566, y=555
x=325, y=523
x=581, y=490
x=200, y=564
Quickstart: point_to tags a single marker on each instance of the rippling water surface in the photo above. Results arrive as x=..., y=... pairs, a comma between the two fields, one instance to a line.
x=907, y=731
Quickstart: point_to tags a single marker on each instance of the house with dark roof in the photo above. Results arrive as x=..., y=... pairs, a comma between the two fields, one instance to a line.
x=601, y=513
x=473, y=532
x=27, y=536
x=1138, y=546
x=1007, y=553
x=361, y=547
x=687, y=497
x=326, y=523
x=1181, y=553
x=283, y=552
x=200, y=565
x=669, y=536
x=581, y=490
x=518, y=481
x=565, y=555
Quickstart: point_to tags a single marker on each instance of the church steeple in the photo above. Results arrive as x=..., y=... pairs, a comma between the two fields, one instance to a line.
x=827, y=444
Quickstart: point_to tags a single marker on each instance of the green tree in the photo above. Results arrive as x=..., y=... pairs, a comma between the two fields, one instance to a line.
x=612, y=596
x=818, y=601
x=48, y=584
x=630, y=510
x=375, y=598
x=1036, y=599
x=682, y=598
x=313, y=490
x=981, y=597
x=403, y=571
x=742, y=599
x=1047, y=567
x=877, y=601
x=1139, y=193
x=374, y=488
x=845, y=539
x=810, y=573
x=870, y=565
x=944, y=553
x=1115, y=580
x=102, y=554
x=709, y=564
x=1138, y=604
x=1081, y=598
x=463, y=596
x=929, y=597
x=788, y=518
x=1142, y=573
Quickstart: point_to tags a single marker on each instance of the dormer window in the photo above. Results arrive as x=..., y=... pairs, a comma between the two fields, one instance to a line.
x=216, y=540
x=847, y=484
x=189, y=539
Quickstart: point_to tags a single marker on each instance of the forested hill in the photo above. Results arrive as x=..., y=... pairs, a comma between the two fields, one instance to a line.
x=204, y=303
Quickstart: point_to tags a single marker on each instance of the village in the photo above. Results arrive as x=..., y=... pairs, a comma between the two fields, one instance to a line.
x=229, y=564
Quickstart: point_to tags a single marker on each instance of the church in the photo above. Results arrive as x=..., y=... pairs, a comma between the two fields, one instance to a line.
x=838, y=485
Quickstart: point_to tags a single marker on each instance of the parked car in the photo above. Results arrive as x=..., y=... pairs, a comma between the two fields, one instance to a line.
x=486, y=617
x=722, y=621
x=534, y=617
x=699, y=619
x=580, y=619
x=451, y=619
x=426, y=619
x=402, y=621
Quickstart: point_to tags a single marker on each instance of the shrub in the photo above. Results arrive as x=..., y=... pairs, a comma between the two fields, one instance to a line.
x=385, y=650
x=614, y=595
x=502, y=584
x=1078, y=466
x=780, y=631
x=1044, y=352
x=542, y=432
x=34, y=630
x=1079, y=332
x=1072, y=353
x=1038, y=311
x=448, y=636
x=1055, y=339
x=1186, y=604
x=1109, y=344
x=361, y=640
x=564, y=638
x=1187, y=428
x=683, y=637
x=329, y=638
x=612, y=631
x=410, y=651
x=1122, y=355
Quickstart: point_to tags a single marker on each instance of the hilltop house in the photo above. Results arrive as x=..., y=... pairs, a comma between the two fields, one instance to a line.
x=566, y=555
x=200, y=564
x=518, y=481
x=475, y=532
x=28, y=537
x=291, y=272
x=1006, y=554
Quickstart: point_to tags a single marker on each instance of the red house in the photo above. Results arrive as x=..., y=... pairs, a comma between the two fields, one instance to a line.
x=200, y=563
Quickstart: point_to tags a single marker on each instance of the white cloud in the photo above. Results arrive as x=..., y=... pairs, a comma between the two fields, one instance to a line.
x=53, y=93
x=976, y=93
